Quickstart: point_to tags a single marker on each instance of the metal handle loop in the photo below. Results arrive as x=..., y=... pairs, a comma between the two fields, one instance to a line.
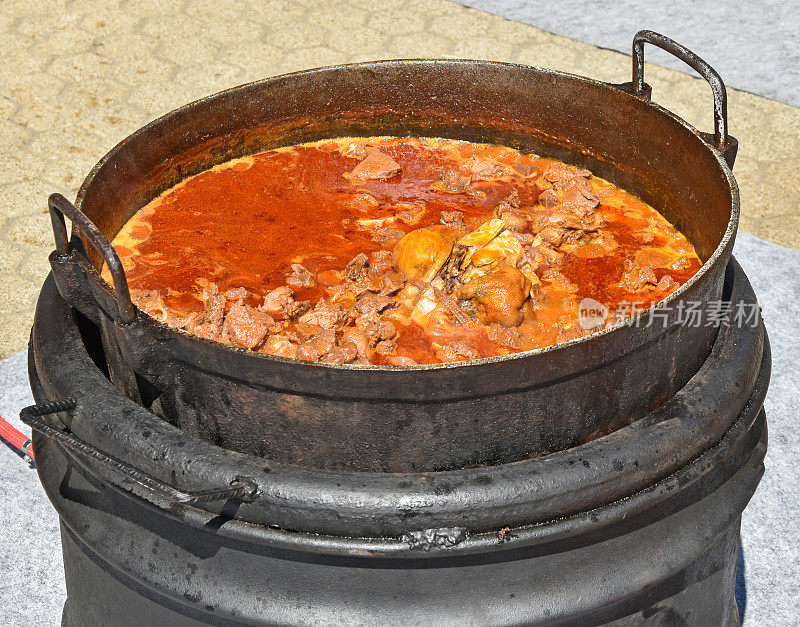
x=240, y=488
x=59, y=207
x=696, y=63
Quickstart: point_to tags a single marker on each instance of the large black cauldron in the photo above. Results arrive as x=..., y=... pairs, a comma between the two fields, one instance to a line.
x=415, y=418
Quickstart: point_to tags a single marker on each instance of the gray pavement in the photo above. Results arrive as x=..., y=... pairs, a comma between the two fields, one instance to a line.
x=31, y=579
x=32, y=588
x=755, y=46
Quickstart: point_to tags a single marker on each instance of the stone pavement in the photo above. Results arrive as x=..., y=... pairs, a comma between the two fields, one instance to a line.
x=755, y=46
x=78, y=76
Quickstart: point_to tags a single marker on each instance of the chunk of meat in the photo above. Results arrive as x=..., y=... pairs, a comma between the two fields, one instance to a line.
x=375, y=328
x=358, y=339
x=324, y=341
x=385, y=347
x=499, y=295
x=452, y=182
x=580, y=219
x=340, y=355
x=681, y=263
x=512, y=201
x=317, y=346
x=548, y=198
x=387, y=234
x=542, y=257
x=515, y=221
x=564, y=177
x=236, y=293
x=247, y=326
x=381, y=261
x=524, y=169
x=408, y=212
x=453, y=219
x=667, y=284
x=552, y=275
x=578, y=197
x=421, y=253
x=300, y=277
x=554, y=235
x=307, y=352
x=458, y=350
x=356, y=270
x=298, y=308
x=375, y=302
x=483, y=170
x=637, y=277
x=209, y=323
x=278, y=301
x=392, y=282
x=325, y=315
x=357, y=150
x=376, y=165
x=280, y=346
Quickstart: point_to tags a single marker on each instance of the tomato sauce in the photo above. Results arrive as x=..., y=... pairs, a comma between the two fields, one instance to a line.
x=243, y=224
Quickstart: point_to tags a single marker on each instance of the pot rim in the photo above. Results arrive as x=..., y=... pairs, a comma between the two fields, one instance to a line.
x=719, y=251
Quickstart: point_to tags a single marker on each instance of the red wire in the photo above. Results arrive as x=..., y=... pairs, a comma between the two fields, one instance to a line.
x=15, y=438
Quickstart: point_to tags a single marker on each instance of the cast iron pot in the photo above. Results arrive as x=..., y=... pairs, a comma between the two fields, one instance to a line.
x=638, y=527
x=414, y=418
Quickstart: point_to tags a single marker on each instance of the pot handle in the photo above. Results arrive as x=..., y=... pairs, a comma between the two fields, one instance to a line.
x=724, y=143
x=240, y=488
x=59, y=207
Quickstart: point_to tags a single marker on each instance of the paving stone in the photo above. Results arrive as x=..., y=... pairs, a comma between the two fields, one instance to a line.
x=256, y=58
x=80, y=66
x=398, y=22
x=19, y=166
x=29, y=230
x=63, y=141
x=11, y=259
x=43, y=115
x=25, y=197
x=13, y=136
x=781, y=229
x=21, y=294
x=26, y=88
x=7, y=107
x=106, y=19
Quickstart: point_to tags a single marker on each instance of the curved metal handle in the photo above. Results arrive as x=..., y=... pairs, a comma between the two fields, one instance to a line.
x=59, y=207
x=721, y=138
x=240, y=488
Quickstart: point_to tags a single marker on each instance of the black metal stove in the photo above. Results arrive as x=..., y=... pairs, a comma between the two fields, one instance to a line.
x=637, y=527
